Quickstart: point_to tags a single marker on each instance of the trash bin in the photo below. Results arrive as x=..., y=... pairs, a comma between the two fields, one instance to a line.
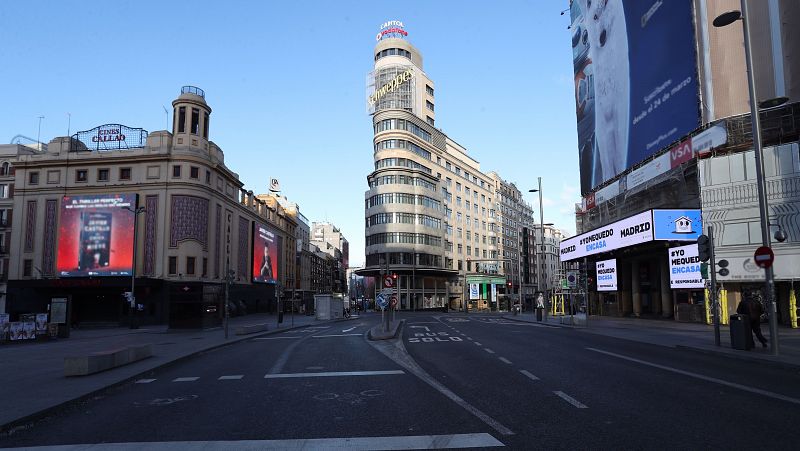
x=539, y=314
x=741, y=337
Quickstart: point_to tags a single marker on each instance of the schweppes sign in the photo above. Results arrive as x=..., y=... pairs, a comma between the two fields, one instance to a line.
x=391, y=86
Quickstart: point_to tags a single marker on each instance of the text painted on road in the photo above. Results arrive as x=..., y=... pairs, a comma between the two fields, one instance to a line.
x=432, y=337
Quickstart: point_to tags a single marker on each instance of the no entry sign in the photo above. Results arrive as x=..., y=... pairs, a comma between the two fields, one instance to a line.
x=764, y=257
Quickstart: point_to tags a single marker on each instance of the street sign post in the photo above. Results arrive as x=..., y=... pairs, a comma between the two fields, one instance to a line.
x=381, y=301
x=764, y=257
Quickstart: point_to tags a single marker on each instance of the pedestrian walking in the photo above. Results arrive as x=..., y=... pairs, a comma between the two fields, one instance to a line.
x=753, y=310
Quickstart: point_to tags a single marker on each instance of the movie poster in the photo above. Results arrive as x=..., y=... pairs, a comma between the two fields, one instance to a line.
x=266, y=254
x=96, y=235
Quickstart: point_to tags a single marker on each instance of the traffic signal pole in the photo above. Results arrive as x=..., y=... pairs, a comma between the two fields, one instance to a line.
x=713, y=295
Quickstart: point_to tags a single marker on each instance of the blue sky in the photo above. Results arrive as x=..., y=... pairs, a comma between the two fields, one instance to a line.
x=287, y=85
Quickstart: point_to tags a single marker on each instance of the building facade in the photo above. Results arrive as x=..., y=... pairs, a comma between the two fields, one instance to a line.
x=431, y=214
x=638, y=229
x=112, y=201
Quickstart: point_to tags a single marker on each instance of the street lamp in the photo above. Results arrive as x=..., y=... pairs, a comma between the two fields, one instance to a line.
x=723, y=20
x=132, y=299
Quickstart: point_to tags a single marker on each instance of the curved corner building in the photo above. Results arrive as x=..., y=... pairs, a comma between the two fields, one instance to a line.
x=408, y=207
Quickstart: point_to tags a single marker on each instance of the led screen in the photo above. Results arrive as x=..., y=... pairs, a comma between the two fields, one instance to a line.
x=636, y=83
x=266, y=253
x=96, y=235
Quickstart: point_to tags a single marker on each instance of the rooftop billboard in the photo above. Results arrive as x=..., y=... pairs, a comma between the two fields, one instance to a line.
x=636, y=82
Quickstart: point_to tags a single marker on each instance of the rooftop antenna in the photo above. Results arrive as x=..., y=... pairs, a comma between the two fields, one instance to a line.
x=166, y=113
x=39, y=134
x=69, y=122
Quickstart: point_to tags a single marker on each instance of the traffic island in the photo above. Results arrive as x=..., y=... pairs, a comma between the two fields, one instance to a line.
x=105, y=360
x=377, y=332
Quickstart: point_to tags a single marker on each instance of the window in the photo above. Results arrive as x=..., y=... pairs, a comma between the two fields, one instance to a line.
x=176, y=171
x=208, y=176
x=429, y=104
x=205, y=125
x=194, y=172
x=33, y=178
x=124, y=173
x=173, y=265
x=430, y=120
x=182, y=119
x=429, y=90
x=27, y=267
x=81, y=175
x=195, y=121
x=190, y=265
x=205, y=266
x=102, y=175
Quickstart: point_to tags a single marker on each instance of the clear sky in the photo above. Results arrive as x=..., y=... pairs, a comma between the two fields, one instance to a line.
x=287, y=85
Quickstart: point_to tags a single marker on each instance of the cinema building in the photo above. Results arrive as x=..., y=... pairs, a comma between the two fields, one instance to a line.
x=102, y=205
x=690, y=161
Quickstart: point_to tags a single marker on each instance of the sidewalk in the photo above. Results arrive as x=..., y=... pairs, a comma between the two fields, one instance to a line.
x=691, y=336
x=32, y=380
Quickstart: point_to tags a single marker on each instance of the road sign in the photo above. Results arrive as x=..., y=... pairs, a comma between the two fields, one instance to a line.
x=572, y=279
x=381, y=301
x=388, y=281
x=764, y=257
x=393, y=302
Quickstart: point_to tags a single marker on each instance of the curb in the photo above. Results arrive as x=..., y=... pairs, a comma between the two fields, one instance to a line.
x=385, y=335
x=8, y=428
x=749, y=358
x=543, y=323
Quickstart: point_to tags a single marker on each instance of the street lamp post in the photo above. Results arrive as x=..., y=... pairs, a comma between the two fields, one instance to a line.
x=721, y=21
x=132, y=301
x=539, y=271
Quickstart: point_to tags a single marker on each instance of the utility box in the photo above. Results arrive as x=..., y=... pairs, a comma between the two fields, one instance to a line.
x=741, y=335
x=328, y=306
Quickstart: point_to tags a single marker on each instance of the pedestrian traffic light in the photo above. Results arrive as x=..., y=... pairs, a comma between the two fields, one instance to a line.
x=723, y=265
x=703, y=248
x=704, y=270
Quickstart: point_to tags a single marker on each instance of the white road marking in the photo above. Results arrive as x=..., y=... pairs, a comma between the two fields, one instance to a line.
x=529, y=375
x=468, y=338
x=427, y=329
x=757, y=391
x=273, y=338
x=230, y=378
x=505, y=360
x=570, y=400
x=144, y=381
x=477, y=343
x=337, y=335
x=333, y=374
x=185, y=379
x=488, y=350
x=348, y=330
x=478, y=440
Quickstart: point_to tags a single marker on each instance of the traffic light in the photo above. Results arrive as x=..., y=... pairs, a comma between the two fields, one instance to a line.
x=508, y=283
x=724, y=271
x=703, y=248
x=394, y=276
x=704, y=270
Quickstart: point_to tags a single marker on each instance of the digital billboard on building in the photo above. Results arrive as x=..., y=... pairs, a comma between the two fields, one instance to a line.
x=96, y=235
x=266, y=254
x=636, y=82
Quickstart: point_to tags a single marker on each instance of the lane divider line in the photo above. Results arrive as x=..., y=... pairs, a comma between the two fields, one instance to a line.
x=185, y=379
x=333, y=374
x=144, y=381
x=337, y=335
x=570, y=400
x=757, y=391
x=477, y=343
x=488, y=350
x=529, y=375
x=230, y=378
x=273, y=338
x=505, y=360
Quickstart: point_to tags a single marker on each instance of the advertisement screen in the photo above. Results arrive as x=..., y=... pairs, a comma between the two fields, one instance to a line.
x=96, y=235
x=636, y=86
x=684, y=267
x=266, y=252
x=677, y=225
x=626, y=232
x=607, y=275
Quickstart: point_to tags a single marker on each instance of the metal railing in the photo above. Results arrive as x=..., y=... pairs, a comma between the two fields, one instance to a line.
x=193, y=90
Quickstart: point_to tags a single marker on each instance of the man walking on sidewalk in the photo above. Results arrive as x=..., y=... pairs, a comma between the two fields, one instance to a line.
x=753, y=310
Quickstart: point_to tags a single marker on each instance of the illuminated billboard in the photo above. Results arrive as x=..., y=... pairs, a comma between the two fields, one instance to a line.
x=96, y=235
x=636, y=82
x=266, y=254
